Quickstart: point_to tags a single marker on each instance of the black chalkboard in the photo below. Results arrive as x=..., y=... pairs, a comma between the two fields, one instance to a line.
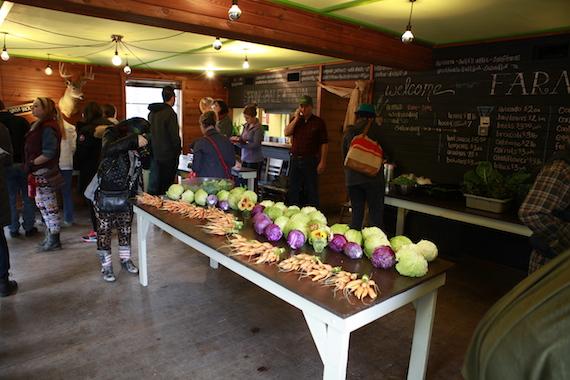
x=275, y=92
x=435, y=121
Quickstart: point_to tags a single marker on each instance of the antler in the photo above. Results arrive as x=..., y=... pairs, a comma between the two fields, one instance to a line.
x=88, y=75
x=62, y=72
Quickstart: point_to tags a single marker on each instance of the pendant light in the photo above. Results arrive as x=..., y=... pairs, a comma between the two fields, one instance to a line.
x=217, y=44
x=116, y=60
x=245, y=64
x=48, y=70
x=408, y=36
x=127, y=69
x=234, y=13
x=210, y=74
x=4, y=55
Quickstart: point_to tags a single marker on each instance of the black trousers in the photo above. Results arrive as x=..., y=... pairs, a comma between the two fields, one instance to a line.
x=162, y=175
x=4, y=256
x=303, y=182
x=371, y=193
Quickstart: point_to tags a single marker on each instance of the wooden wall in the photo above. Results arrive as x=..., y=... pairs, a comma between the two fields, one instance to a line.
x=23, y=80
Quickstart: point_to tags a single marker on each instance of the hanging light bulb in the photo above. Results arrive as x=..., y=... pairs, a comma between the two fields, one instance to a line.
x=210, y=74
x=4, y=55
x=127, y=69
x=234, y=12
x=408, y=36
x=245, y=64
x=217, y=44
x=48, y=70
x=117, y=60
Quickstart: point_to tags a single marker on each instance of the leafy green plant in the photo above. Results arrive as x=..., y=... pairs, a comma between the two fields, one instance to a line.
x=403, y=180
x=488, y=182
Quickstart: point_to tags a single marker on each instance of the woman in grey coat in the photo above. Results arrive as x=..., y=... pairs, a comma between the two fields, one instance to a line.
x=7, y=286
x=213, y=153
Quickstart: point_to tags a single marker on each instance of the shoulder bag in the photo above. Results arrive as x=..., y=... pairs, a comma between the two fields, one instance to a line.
x=220, y=157
x=364, y=155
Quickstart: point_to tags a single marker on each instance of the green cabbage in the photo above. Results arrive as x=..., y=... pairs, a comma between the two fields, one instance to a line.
x=319, y=217
x=200, y=197
x=427, y=249
x=281, y=206
x=188, y=196
x=369, y=232
x=354, y=236
x=237, y=190
x=273, y=212
x=267, y=203
x=289, y=213
x=175, y=191
x=410, y=262
x=223, y=195
x=339, y=229
x=281, y=221
x=301, y=218
x=233, y=200
x=296, y=208
x=399, y=241
x=308, y=209
x=295, y=225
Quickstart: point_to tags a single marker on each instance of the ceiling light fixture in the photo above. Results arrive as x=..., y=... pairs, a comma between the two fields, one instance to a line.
x=408, y=36
x=127, y=69
x=234, y=13
x=210, y=74
x=4, y=55
x=116, y=60
x=245, y=64
x=4, y=10
x=48, y=70
x=217, y=44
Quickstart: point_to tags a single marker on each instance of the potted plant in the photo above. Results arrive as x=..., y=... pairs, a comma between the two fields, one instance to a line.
x=485, y=188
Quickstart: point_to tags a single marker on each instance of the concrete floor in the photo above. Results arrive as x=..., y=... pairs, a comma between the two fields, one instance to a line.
x=193, y=322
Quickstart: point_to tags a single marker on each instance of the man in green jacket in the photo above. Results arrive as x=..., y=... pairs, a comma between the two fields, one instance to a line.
x=165, y=142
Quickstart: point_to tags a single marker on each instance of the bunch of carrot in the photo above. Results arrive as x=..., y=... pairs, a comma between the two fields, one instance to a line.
x=151, y=200
x=254, y=250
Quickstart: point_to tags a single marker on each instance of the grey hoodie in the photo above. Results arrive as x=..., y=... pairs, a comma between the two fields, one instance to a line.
x=165, y=132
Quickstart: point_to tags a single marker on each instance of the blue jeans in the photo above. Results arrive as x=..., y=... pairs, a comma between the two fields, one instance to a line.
x=67, y=196
x=18, y=184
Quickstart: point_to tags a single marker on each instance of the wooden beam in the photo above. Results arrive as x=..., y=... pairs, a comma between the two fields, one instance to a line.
x=261, y=22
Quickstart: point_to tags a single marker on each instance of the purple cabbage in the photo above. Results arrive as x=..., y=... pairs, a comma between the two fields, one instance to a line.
x=383, y=257
x=338, y=242
x=296, y=239
x=273, y=232
x=224, y=205
x=258, y=208
x=211, y=200
x=260, y=221
x=353, y=250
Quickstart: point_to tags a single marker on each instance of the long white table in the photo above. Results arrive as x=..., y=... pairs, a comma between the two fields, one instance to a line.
x=330, y=320
x=479, y=219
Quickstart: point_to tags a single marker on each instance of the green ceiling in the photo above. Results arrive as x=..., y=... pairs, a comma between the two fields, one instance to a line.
x=36, y=32
x=438, y=22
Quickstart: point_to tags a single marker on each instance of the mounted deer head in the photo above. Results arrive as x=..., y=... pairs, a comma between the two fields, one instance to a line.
x=68, y=103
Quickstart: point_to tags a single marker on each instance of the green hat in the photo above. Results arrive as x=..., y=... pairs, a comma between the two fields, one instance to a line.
x=366, y=109
x=306, y=100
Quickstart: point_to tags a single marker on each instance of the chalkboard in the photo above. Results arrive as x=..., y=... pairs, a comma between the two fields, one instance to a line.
x=346, y=71
x=495, y=102
x=275, y=92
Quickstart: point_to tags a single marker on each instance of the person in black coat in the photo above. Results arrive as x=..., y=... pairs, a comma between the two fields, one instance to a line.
x=213, y=153
x=124, y=153
x=7, y=286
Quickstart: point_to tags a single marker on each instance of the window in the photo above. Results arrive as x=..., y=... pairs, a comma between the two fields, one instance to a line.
x=139, y=94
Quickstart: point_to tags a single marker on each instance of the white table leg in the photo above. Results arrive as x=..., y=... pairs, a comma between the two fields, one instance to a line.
x=251, y=184
x=425, y=313
x=400, y=221
x=214, y=264
x=142, y=231
x=332, y=345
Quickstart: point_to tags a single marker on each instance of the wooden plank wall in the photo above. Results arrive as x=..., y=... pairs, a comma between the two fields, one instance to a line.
x=22, y=80
x=332, y=190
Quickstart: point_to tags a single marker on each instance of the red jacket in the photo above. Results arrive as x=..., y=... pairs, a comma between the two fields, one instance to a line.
x=34, y=145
